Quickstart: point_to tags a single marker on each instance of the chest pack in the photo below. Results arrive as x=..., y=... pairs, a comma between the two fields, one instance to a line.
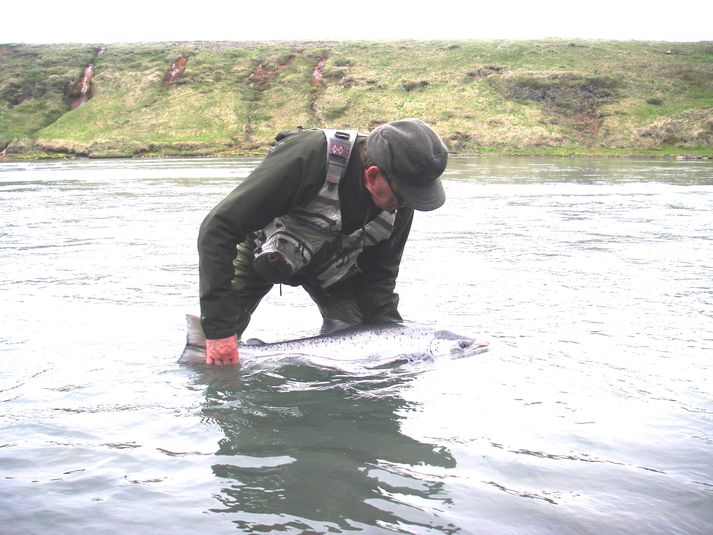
x=306, y=244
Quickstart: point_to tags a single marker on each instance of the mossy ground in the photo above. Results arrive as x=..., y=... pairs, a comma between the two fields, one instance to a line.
x=483, y=97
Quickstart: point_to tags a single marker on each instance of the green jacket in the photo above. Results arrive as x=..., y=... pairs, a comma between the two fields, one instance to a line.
x=291, y=175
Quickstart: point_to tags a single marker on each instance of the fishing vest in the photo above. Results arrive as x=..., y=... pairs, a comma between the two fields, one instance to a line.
x=306, y=244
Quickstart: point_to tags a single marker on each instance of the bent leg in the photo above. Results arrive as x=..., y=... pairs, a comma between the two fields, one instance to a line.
x=339, y=308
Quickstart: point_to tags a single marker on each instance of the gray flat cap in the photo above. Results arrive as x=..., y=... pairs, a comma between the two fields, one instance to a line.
x=411, y=154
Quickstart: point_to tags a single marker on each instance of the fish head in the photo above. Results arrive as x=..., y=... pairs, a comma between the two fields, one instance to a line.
x=458, y=345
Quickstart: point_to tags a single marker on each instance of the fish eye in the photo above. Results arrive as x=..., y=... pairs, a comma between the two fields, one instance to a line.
x=464, y=344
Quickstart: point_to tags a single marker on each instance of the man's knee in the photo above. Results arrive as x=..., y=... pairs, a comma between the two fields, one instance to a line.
x=339, y=310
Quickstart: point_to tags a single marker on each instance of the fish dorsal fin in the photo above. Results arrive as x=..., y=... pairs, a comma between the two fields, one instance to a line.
x=252, y=342
x=194, y=331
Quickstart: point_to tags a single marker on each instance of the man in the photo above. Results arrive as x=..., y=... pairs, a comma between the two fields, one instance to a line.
x=295, y=221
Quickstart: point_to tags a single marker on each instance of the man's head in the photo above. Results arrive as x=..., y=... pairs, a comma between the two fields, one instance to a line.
x=411, y=157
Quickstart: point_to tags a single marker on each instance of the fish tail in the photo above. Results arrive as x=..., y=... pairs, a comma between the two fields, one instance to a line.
x=194, y=352
x=194, y=331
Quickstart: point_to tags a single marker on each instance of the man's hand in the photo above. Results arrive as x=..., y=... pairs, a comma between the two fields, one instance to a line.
x=222, y=351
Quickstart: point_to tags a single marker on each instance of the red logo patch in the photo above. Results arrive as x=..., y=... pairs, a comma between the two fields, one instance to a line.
x=340, y=150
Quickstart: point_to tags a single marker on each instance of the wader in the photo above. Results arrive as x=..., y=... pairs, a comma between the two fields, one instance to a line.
x=337, y=305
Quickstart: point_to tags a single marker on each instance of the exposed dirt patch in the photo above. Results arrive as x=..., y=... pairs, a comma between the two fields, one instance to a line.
x=176, y=70
x=573, y=98
x=317, y=85
x=81, y=91
x=318, y=71
x=267, y=69
x=483, y=71
x=261, y=76
x=687, y=129
x=63, y=148
x=418, y=85
x=459, y=140
x=560, y=92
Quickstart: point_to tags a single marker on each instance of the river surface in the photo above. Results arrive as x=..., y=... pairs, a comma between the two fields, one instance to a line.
x=591, y=413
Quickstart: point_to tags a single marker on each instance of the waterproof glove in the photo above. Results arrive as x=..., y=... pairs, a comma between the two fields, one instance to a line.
x=222, y=351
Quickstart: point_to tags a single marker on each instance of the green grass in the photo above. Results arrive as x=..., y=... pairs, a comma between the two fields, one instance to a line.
x=555, y=97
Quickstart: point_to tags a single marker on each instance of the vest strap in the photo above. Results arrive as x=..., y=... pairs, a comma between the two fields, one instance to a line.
x=339, y=150
x=306, y=243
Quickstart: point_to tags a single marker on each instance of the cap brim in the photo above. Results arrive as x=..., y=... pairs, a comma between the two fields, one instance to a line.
x=423, y=198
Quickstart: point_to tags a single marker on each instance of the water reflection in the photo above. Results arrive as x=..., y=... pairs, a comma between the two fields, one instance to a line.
x=311, y=448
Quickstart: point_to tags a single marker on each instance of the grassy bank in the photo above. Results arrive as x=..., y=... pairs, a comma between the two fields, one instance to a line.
x=484, y=97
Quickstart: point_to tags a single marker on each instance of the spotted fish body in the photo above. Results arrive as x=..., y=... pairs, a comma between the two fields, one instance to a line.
x=382, y=342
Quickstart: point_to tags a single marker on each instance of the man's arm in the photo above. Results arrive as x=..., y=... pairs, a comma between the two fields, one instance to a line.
x=291, y=174
x=380, y=268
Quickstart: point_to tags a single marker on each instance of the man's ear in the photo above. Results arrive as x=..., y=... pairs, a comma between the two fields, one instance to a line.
x=371, y=173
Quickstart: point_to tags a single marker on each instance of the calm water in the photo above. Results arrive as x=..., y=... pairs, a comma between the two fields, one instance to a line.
x=592, y=412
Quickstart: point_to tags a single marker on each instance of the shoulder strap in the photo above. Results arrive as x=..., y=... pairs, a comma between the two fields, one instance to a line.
x=339, y=148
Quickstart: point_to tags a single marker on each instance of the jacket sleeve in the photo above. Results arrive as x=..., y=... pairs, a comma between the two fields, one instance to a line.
x=290, y=175
x=379, y=267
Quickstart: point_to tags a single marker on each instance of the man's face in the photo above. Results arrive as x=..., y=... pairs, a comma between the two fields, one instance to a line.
x=384, y=193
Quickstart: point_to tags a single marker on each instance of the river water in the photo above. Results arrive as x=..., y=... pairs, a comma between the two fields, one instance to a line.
x=591, y=413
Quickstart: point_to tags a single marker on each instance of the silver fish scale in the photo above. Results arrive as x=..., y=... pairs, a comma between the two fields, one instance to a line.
x=357, y=343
